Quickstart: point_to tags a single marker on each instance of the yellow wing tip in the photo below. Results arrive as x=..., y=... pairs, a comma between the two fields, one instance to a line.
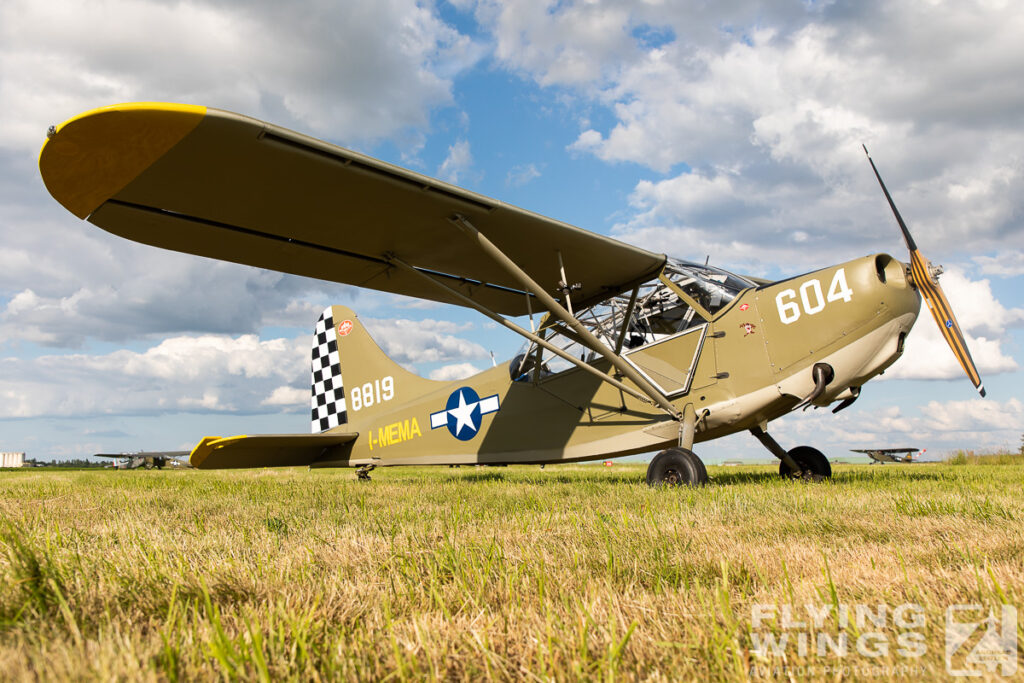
x=169, y=107
x=91, y=157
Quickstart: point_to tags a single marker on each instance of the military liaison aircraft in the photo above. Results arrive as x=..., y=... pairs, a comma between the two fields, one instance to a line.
x=880, y=455
x=147, y=459
x=633, y=351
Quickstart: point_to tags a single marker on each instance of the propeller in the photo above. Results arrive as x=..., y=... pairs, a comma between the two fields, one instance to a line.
x=926, y=277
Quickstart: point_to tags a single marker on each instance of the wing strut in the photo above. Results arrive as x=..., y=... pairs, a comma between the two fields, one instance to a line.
x=586, y=337
x=539, y=341
x=625, y=320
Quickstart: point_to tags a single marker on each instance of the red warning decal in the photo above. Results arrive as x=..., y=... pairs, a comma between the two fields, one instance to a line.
x=744, y=307
x=344, y=327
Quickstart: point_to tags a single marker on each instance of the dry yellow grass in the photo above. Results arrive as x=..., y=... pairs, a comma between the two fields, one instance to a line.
x=575, y=572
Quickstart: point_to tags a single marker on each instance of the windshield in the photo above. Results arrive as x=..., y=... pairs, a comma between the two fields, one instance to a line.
x=710, y=287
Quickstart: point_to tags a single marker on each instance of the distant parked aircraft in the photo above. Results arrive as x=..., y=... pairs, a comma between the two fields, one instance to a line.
x=148, y=459
x=889, y=454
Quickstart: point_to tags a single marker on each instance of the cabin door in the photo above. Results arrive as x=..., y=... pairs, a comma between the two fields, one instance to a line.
x=670, y=363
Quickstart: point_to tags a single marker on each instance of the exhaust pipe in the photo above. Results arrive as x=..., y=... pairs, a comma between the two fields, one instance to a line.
x=823, y=374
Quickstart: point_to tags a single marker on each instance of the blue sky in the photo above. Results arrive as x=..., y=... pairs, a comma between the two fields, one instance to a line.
x=728, y=130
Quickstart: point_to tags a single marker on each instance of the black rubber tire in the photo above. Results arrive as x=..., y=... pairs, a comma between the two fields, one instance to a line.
x=676, y=467
x=813, y=463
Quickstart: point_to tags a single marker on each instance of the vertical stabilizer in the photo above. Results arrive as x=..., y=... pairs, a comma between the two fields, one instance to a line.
x=374, y=384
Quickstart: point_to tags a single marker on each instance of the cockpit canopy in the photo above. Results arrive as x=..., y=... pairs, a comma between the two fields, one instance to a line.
x=685, y=295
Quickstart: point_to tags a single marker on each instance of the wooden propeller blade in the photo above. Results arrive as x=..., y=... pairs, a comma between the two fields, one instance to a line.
x=942, y=312
x=932, y=293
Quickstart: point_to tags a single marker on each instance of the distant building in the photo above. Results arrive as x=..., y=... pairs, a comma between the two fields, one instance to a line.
x=12, y=459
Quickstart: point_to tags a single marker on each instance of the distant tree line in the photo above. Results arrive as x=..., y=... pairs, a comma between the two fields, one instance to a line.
x=75, y=462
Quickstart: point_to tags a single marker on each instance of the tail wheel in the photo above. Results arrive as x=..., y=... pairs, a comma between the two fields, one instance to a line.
x=676, y=467
x=814, y=466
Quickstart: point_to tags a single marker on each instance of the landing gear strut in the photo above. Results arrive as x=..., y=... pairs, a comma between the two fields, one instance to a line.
x=802, y=462
x=363, y=473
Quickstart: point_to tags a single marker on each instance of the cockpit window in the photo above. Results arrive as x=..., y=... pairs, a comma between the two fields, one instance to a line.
x=659, y=312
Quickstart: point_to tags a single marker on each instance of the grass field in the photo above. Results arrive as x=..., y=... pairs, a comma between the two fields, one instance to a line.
x=574, y=572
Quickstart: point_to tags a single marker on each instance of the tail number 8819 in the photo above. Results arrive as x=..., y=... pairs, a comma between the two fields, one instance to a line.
x=811, y=297
x=377, y=391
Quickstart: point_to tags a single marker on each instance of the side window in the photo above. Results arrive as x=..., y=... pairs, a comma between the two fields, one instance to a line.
x=524, y=365
x=659, y=317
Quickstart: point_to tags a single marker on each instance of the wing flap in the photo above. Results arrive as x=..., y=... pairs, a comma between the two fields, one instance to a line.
x=245, y=191
x=269, y=450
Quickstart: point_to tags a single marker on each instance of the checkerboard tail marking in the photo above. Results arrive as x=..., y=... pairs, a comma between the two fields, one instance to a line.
x=328, y=393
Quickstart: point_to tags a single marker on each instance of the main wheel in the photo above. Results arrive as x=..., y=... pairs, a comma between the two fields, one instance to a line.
x=814, y=465
x=676, y=467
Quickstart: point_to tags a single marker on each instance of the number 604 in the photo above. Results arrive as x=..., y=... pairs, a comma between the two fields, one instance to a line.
x=811, y=297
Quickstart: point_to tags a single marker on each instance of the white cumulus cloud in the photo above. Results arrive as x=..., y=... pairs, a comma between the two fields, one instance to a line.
x=522, y=174
x=1009, y=263
x=287, y=397
x=180, y=374
x=448, y=373
x=939, y=426
x=351, y=71
x=409, y=342
x=458, y=161
x=755, y=115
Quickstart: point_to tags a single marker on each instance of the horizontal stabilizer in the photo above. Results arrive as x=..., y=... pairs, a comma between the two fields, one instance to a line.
x=268, y=450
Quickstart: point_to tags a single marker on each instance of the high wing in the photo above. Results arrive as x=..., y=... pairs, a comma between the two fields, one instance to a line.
x=886, y=451
x=269, y=450
x=217, y=184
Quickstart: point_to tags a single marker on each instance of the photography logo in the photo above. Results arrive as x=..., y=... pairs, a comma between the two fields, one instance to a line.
x=980, y=642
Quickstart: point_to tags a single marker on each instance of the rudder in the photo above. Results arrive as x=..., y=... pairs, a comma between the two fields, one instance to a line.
x=328, y=400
